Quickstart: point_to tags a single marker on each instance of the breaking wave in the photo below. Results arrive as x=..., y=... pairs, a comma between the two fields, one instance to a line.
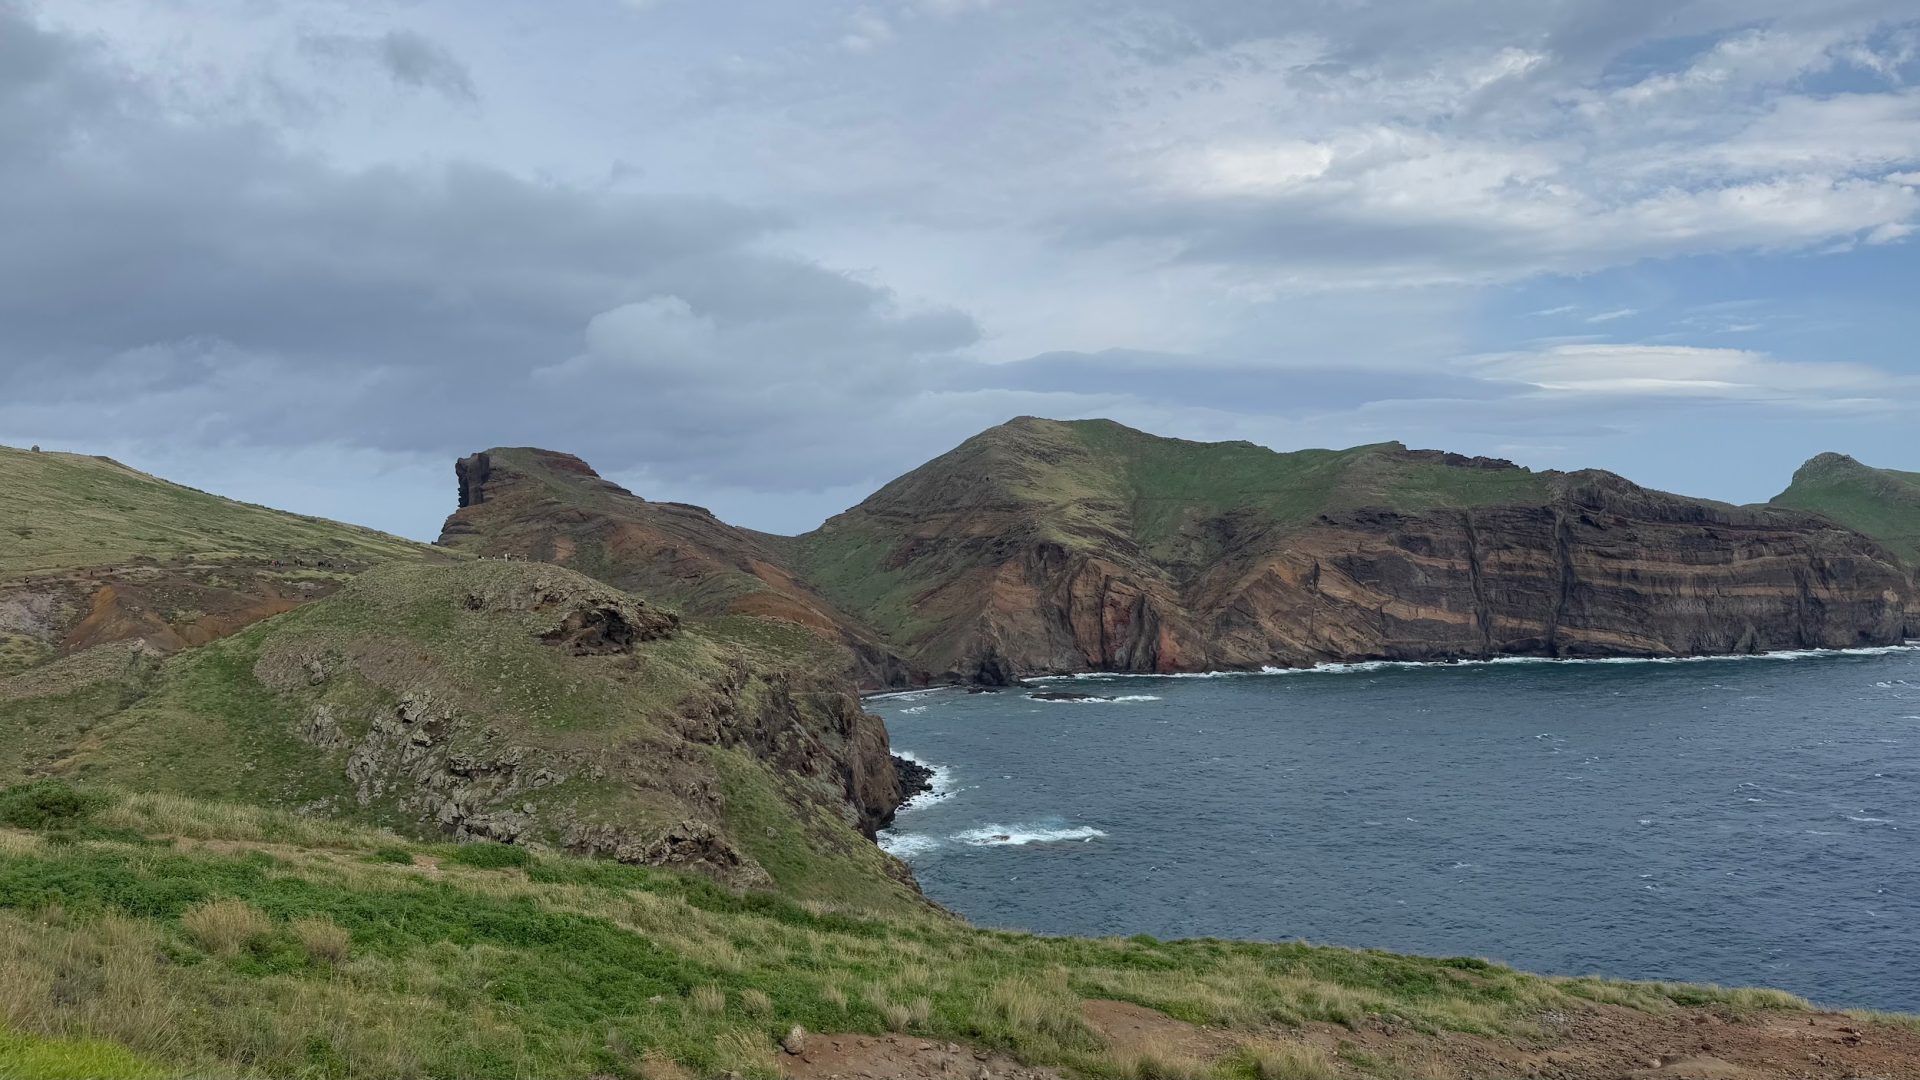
x=941, y=784
x=993, y=835
x=1096, y=700
x=1361, y=666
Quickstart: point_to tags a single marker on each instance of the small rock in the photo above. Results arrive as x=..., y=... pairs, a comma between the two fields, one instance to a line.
x=796, y=1041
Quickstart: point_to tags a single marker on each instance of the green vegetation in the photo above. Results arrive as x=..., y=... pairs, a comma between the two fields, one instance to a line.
x=64, y=511
x=1171, y=484
x=1101, y=488
x=1882, y=503
x=233, y=940
x=280, y=713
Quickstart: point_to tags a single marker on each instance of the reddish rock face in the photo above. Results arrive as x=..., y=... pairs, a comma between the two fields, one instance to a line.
x=1035, y=549
x=552, y=507
x=1606, y=569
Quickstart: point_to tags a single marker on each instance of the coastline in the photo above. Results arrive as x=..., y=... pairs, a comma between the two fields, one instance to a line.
x=1347, y=667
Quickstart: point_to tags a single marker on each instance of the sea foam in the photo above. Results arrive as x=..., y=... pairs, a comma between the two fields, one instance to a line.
x=996, y=835
x=1363, y=666
x=941, y=783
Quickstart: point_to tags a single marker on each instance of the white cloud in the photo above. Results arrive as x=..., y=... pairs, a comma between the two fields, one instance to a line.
x=1674, y=371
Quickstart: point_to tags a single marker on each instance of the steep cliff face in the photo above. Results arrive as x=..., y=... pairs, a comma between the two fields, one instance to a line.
x=1045, y=546
x=552, y=507
x=1042, y=546
x=1882, y=503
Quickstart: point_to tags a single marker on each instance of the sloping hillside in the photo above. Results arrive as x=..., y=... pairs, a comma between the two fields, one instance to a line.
x=552, y=507
x=93, y=552
x=146, y=937
x=1046, y=546
x=499, y=700
x=1883, y=503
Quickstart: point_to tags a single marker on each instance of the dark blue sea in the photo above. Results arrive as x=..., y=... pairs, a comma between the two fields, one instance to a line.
x=1751, y=821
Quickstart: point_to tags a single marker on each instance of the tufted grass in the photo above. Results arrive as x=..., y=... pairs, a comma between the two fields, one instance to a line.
x=217, y=939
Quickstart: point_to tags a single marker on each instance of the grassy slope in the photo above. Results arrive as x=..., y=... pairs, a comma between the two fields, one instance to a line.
x=194, y=936
x=67, y=511
x=1883, y=503
x=1095, y=484
x=206, y=722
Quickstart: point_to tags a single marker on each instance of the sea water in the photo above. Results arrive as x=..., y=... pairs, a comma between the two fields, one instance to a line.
x=1742, y=821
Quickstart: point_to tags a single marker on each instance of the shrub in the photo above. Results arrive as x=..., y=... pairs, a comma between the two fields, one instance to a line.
x=490, y=856
x=46, y=804
x=397, y=855
x=325, y=941
x=226, y=927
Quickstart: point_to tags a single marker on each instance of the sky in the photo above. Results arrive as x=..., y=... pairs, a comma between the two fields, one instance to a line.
x=764, y=256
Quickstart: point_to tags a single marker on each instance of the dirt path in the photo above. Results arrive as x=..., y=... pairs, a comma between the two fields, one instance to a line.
x=1601, y=1042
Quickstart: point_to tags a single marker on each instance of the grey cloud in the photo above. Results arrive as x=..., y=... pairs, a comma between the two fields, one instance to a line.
x=183, y=279
x=408, y=58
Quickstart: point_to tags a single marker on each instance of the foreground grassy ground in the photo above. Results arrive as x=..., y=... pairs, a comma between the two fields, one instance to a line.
x=150, y=935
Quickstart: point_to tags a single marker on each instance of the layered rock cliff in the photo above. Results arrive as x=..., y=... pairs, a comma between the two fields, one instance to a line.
x=1043, y=546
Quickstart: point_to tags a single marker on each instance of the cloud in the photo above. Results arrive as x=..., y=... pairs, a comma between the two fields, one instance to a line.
x=1673, y=371
x=766, y=248
x=169, y=279
x=410, y=59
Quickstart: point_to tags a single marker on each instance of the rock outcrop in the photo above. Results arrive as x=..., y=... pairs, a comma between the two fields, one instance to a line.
x=514, y=702
x=545, y=506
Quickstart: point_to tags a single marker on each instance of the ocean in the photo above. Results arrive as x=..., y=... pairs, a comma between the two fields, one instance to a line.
x=1741, y=821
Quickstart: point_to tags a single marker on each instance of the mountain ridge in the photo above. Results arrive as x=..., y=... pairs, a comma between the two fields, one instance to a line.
x=1050, y=547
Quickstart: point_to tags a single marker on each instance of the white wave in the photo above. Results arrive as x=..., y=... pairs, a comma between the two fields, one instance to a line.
x=997, y=835
x=914, y=710
x=1096, y=700
x=907, y=845
x=941, y=781
x=1362, y=666
x=1869, y=820
x=902, y=695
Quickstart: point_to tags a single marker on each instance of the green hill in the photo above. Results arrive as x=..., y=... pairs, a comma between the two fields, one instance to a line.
x=93, y=552
x=1882, y=503
x=499, y=700
x=66, y=511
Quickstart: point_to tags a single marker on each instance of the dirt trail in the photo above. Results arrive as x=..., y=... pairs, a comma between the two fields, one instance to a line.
x=1601, y=1042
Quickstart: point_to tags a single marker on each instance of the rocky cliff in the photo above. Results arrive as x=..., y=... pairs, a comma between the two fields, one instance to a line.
x=1882, y=503
x=1042, y=546
x=552, y=507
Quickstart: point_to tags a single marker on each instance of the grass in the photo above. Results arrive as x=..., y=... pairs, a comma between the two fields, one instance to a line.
x=33, y=1058
x=1883, y=503
x=234, y=721
x=65, y=511
x=227, y=939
